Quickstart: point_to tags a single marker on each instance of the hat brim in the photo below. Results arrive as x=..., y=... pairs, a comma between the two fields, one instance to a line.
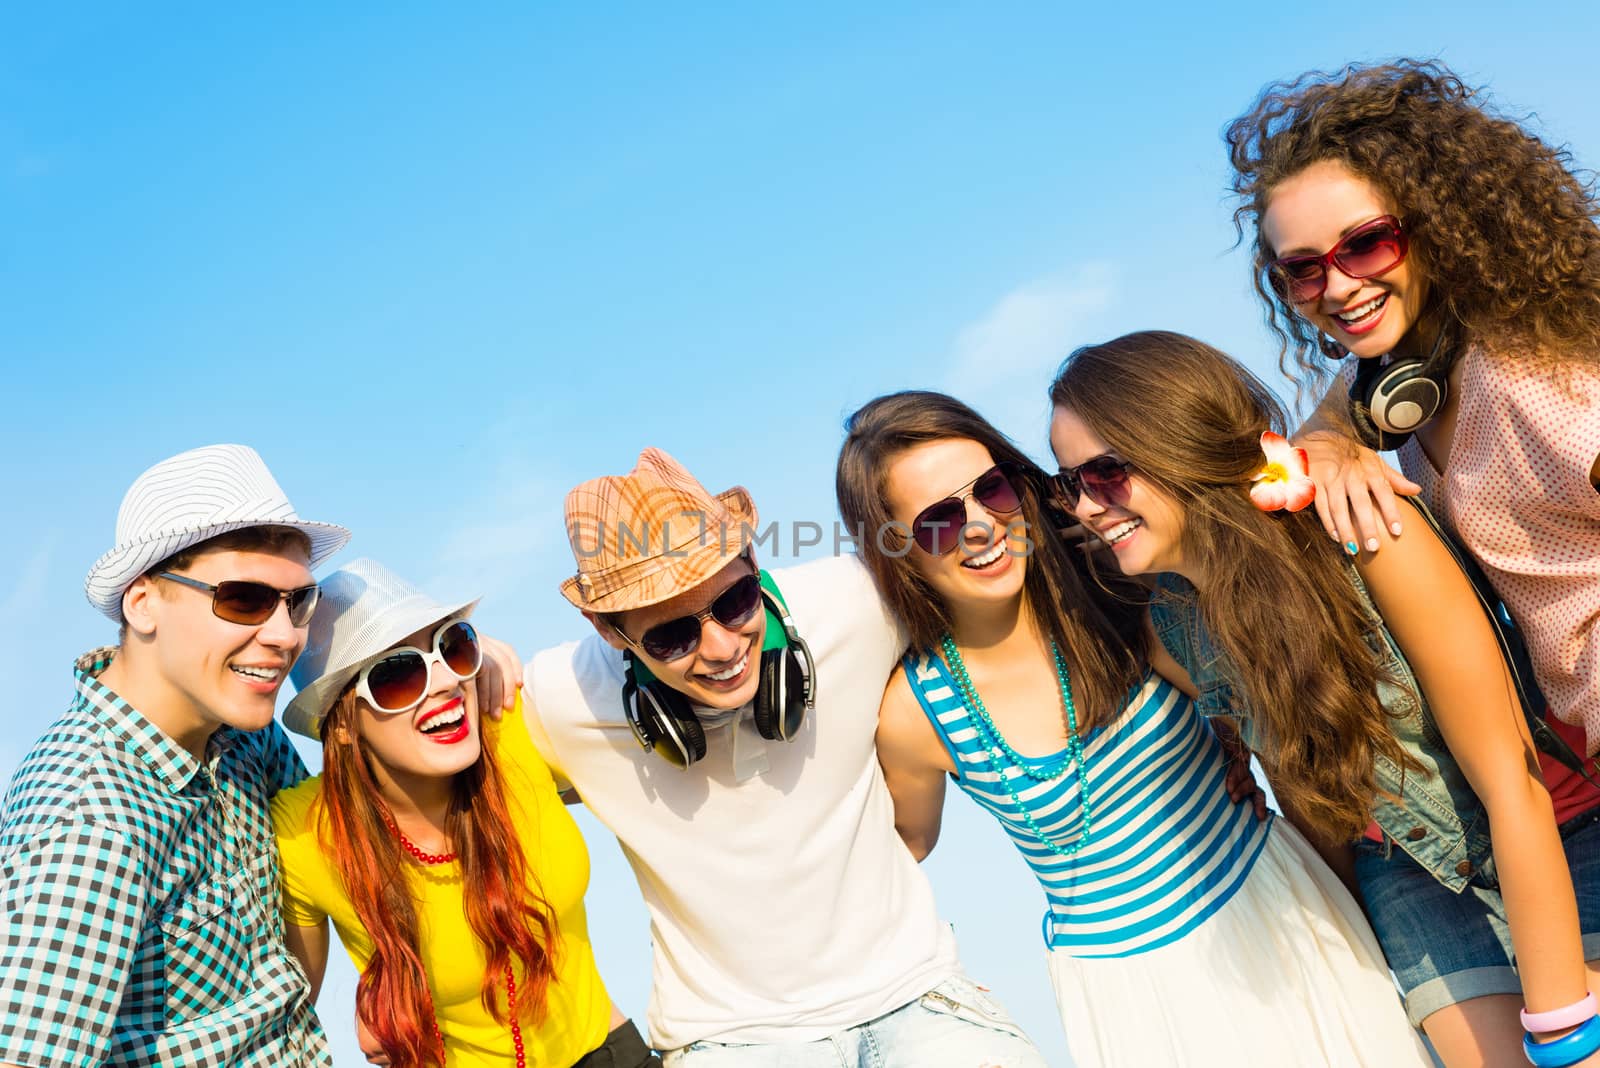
x=114, y=572
x=685, y=572
x=305, y=712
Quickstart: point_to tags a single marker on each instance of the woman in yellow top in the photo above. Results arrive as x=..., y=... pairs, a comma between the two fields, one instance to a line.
x=439, y=847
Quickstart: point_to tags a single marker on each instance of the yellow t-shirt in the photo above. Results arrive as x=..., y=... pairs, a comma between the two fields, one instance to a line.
x=579, y=1010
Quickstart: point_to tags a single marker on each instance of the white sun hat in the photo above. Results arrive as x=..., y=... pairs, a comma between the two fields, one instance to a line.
x=186, y=499
x=365, y=609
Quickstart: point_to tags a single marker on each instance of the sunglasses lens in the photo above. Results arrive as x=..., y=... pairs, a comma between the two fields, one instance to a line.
x=302, y=603
x=937, y=527
x=1300, y=280
x=995, y=492
x=1370, y=251
x=1105, y=480
x=737, y=603
x=1065, y=487
x=398, y=682
x=673, y=639
x=458, y=646
x=244, y=602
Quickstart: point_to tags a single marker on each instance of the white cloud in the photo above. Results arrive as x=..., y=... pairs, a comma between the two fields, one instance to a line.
x=502, y=547
x=1002, y=362
x=504, y=528
x=1030, y=329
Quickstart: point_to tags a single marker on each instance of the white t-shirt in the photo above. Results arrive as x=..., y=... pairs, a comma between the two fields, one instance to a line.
x=783, y=907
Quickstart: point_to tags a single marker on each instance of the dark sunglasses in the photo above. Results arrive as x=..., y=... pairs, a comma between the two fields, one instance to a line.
x=398, y=681
x=251, y=603
x=1365, y=252
x=938, y=527
x=676, y=638
x=1103, y=479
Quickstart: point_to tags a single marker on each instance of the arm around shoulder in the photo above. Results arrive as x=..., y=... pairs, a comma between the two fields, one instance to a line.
x=915, y=765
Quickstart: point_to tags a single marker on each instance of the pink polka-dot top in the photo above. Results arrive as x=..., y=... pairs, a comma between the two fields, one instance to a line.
x=1516, y=492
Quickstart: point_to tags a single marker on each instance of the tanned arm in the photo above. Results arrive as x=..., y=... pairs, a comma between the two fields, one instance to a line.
x=915, y=764
x=310, y=947
x=1433, y=613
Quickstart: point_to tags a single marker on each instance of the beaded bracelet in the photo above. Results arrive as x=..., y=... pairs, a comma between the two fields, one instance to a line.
x=1566, y=1050
x=1560, y=1019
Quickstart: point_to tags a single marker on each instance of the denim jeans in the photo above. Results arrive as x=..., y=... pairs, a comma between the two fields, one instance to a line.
x=957, y=1024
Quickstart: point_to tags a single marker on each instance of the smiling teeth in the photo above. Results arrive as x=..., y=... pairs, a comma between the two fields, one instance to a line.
x=263, y=674
x=733, y=672
x=1364, y=310
x=1120, y=531
x=444, y=722
x=986, y=558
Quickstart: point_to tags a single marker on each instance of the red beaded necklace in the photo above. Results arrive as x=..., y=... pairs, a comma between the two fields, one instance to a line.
x=419, y=855
x=511, y=980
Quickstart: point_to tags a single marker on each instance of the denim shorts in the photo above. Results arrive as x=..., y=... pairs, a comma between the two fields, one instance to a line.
x=1446, y=947
x=957, y=1024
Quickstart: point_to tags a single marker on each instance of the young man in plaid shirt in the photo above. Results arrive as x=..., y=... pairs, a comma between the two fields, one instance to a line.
x=138, y=878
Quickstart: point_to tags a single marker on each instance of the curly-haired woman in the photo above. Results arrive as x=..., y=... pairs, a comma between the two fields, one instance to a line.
x=1400, y=220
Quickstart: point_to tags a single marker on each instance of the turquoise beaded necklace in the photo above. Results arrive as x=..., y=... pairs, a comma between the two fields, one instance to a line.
x=998, y=747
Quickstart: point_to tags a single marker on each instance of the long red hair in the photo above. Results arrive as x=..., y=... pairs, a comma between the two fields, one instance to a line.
x=505, y=906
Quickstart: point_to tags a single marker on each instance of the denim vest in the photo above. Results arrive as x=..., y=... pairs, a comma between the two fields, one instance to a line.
x=1439, y=821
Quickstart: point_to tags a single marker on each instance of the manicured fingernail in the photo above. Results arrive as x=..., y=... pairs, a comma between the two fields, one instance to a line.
x=1351, y=547
x=1372, y=545
x=1394, y=528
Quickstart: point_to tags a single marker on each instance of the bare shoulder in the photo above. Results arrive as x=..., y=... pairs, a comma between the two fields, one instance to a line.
x=904, y=733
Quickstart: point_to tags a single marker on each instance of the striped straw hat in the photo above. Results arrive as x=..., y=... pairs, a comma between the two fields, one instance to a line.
x=184, y=500
x=647, y=536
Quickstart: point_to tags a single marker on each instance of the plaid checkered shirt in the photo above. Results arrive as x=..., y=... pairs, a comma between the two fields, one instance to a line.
x=139, y=891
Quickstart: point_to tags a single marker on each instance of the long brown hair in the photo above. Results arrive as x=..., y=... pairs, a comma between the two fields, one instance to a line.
x=1277, y=596
x=1101, y=637
x=1499, y=223
x=504, y=905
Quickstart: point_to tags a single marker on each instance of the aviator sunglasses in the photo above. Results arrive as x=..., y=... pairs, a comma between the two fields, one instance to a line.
x=1103, y=479
x=938, y=528
x=1365, y=252
x=676, y=638
x=251, y=603
x=399, y=679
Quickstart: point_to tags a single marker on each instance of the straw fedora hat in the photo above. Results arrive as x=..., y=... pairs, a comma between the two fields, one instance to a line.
x=186, y=499
x=647, y=536
x=365, y=609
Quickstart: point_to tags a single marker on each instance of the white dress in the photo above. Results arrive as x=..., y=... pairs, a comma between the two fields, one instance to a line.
x=1185, y=932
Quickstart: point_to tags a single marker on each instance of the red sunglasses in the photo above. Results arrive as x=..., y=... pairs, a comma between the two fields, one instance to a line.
x=1365, y=252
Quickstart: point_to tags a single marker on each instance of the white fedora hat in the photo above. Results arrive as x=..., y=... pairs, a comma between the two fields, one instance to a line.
x=365, y=609
x=186, y=499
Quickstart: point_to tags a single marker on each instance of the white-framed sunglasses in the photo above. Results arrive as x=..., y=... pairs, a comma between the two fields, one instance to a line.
x=398, y=680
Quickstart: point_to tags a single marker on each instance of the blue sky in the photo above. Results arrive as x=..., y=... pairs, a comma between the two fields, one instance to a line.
x=438, y=266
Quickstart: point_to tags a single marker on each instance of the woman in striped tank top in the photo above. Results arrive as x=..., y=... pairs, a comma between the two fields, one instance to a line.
x=1375, y=691
x=1181, y=929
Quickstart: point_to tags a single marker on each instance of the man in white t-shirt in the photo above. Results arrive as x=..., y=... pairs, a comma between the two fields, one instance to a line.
x=721, y=723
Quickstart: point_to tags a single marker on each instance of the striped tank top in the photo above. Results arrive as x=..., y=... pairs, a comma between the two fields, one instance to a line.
x=1168, y=848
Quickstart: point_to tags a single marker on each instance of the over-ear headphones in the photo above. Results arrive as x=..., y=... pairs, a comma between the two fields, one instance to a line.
x=664, y=721
x=1388, y=402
